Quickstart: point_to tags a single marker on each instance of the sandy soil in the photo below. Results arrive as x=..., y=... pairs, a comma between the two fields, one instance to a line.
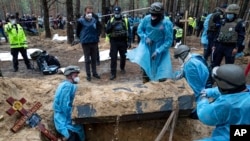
x=34, y=87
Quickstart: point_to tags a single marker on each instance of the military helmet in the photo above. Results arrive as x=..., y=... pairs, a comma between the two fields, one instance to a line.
x=71, y=69
x=229, y=77
x=218, y=10
x=233, y=8
x=117, y=9
x=156, y=8
x=182, y=52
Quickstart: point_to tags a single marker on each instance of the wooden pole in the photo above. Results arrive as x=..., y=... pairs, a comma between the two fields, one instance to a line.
x=185, y=21
x=165, y=127
x=174, y=121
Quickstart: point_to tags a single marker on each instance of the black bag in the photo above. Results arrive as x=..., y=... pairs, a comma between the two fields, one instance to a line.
x=47, y=64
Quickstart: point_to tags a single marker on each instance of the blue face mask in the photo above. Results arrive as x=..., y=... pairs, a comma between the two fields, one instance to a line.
x=230, y=16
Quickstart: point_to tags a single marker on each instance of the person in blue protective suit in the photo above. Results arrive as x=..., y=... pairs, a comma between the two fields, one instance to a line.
x=195, y=70
x=62, y=106
x=230, y=105
x=204, y=38
x=152, y=53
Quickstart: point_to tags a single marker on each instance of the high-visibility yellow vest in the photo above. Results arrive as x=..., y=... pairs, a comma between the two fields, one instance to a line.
x=111, y=20
x=16, y=36
x=179, y=32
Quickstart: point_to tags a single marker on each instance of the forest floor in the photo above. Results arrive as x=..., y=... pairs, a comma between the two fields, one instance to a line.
x=36, y=87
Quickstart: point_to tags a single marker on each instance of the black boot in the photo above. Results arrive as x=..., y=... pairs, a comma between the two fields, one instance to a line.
x=112, y=77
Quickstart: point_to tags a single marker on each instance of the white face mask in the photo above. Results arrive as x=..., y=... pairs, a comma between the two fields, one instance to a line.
x=117, y=15
x=89, y=16
x=76, y=80
x=13, y=21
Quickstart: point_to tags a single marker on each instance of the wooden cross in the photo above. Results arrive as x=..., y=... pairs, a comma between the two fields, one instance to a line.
x=185, y=21
x=27, y=116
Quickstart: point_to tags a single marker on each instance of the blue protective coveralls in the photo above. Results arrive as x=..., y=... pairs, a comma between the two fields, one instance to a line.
x=62, y=107
x=161, y=36
x=225, y=110
x=204, y=40
x=196, y=73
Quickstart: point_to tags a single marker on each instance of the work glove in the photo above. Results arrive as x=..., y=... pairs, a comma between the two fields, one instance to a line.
x=154, y=55
x=148, y=41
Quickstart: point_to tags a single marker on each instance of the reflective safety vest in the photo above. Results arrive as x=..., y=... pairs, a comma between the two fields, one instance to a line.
x=16, y=36
x=179, y=32
x=126, y=26
x=190, y=21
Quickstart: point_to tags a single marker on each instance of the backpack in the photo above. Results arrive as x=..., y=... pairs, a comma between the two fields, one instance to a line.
x=46, y=63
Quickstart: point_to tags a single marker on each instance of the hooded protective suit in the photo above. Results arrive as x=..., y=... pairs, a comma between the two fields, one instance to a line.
x=161, y=37
x=196, y=73
x=62, y=106
x=225, y=110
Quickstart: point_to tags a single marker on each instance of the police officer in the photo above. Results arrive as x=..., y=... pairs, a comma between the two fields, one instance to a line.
x=231, y=36
x=119, y=34
x=178, y=33
x=18, y=42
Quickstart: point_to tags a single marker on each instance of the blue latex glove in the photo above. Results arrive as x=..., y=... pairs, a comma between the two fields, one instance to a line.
x=154, y=55
x=211, y=92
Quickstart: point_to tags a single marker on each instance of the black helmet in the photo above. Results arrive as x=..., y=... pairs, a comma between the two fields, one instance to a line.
x=156, y=8
x=117, y=10
x=182, y=52
x=229, y=77
x=218, y=9
x=71, y=69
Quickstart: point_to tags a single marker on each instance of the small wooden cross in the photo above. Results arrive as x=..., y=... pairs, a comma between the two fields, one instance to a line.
x=27, y=116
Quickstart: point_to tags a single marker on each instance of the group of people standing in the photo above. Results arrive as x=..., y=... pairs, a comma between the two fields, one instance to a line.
x=230, y=103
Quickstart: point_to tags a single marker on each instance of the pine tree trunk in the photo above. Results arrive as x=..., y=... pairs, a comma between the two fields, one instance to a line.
x=77, y=9
x=70, y=17
x=46, y=18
